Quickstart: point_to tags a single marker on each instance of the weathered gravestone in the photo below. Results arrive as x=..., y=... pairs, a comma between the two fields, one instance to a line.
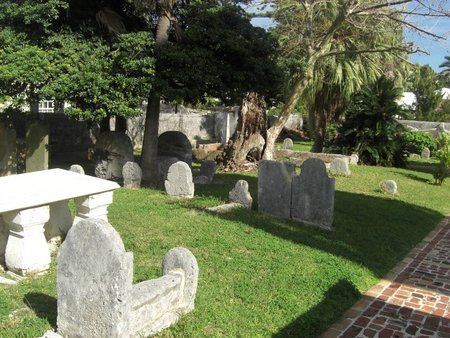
x=76, y=168
x=8, y=151
x=239, y=194
x=208, y=169
x=37, y=146
x=313, y=195
x=339, y=166
x=389, y=186
x=112, y=150
x=96, y=297
x=354, y=159
x=179, y=180
x=132, y=175
x=274, y=187
x=425, y=153
x=288, y=144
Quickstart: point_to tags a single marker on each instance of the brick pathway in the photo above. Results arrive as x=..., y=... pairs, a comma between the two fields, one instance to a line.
x=413, y=299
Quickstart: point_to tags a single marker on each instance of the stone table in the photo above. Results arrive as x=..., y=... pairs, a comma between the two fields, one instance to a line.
x=30, y=201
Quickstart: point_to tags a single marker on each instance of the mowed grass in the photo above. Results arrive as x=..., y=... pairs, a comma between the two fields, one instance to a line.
x=298, y=145
x=260, y=276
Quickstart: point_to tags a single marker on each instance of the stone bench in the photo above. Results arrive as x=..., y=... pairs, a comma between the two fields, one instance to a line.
x=34, y=209
x=96, y=297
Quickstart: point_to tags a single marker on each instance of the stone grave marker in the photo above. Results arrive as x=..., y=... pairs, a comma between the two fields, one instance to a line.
x=425, y=153
x=208, y=169
x=274, y=187
x=179, y=180
x=354, y=159
x=8, y=151
x=313, y=195
x=288, y=144
x=112, y=150
x=37, y=146
x=76, y=168
x=240, y=194
x=389, y=187
x=339, y=166
x=132, y=175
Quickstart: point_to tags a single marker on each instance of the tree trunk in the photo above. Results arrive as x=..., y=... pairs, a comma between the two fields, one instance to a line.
x=319, y=132
x=250, y=131
x=149, y=156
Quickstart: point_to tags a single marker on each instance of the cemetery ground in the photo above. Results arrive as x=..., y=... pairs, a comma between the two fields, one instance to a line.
x=260, y=276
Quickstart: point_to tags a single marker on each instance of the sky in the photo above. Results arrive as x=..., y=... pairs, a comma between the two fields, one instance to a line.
x=435, y=50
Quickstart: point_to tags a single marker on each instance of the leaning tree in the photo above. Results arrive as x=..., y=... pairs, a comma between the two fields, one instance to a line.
x=307, y=29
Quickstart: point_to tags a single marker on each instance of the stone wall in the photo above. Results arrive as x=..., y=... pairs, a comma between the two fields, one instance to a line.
x=298, y=157
x=424, y=125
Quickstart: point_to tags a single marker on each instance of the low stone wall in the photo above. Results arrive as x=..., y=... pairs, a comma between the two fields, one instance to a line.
x=424, y=125
x=298, y=157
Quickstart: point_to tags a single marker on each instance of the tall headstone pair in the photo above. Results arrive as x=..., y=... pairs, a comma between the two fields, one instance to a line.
x=308, y=197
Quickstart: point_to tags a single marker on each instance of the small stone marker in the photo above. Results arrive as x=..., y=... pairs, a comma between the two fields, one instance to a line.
x=288, y=144
x=179, y=180
x=76, y=168
x=425, y=153
x=37, y=146
x=339, y=166
x=274, y=187
x=354, y=159
x=96, y=297
x=208, y=169
x=313, y=195
x=389, y=186
x=239, y=194
x=132, y=175
x=8, y=151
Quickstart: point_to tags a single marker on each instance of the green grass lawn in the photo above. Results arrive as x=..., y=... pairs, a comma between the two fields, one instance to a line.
x=298, y=145
x=260, y=276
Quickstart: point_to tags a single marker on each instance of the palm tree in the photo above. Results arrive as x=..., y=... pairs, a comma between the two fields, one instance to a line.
x=445, y=73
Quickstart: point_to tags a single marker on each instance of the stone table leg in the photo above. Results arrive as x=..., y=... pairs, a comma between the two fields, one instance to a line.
x=94, y=206
x=26, y=249
x=59, y=224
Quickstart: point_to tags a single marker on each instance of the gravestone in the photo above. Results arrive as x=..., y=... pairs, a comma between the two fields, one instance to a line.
x=175, y=144
x=208, y=169
x=425, y=153
x=96, y=297
x=37, y=146
x=76, y=168
x=179, y=180
x=389, y=187
x=354, y=159
x=339, y=166
x=88, y=305
x=274, y=187
x=132, y=175
x=164, y=163
x=240, y=194
x=313, y=195
x=8, y=151
x=111, y=151
x=288, y=144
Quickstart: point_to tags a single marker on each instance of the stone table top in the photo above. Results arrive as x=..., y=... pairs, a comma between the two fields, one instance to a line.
x=38, y=188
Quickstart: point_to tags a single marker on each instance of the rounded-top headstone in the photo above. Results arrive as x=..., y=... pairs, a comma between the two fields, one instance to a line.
x=112, y=150
x=425, y=153
x=339, y=166
x=389, y=186
x=76, y=168
x=288, y=144
x=179, y=180
x=132, y=175
x=239, y=194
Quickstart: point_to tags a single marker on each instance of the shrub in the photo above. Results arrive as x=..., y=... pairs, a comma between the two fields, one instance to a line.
x=443, y=155
x=414, y=142
x=370, y=128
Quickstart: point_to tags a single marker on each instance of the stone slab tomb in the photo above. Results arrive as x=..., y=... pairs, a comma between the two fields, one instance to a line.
x=274, y=187
x=96, y=297
x=313, y=195
x=179, y=180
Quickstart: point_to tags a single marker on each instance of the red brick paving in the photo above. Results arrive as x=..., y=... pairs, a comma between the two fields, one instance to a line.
x=412, y=301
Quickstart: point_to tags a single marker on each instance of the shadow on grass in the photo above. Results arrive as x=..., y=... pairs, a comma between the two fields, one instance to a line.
x=373, y=232
x=340, y=295
x=416, y=177
x=44, y=306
